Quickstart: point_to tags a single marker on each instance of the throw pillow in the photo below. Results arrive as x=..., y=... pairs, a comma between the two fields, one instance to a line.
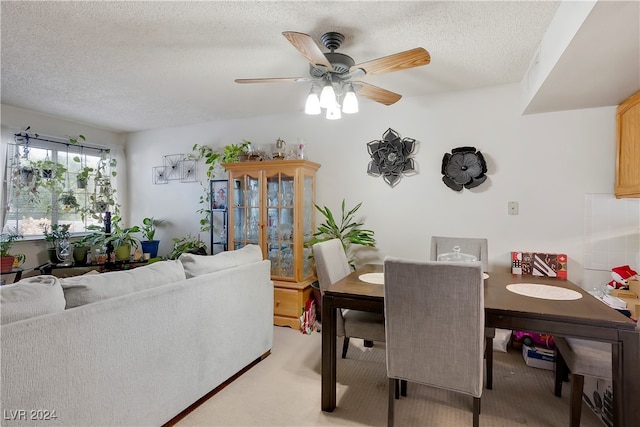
x=86, y=289
x=197, y=265
x=30, y=297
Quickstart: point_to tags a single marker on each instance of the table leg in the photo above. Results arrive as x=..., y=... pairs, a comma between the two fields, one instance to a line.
x=329, y=320
x=629, y=361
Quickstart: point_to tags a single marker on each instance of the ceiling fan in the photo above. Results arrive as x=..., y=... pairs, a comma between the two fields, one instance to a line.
x=338, y=71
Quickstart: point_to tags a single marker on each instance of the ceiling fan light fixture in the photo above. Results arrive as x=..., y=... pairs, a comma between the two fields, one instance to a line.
x=328, y=96
x=350, y=102
x=333, y=112
x=312, y=106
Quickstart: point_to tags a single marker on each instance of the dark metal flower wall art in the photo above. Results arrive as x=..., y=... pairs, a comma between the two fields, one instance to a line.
x=390, y=157
x=464, y=167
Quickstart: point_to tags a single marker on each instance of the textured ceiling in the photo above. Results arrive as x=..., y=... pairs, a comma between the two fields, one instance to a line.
x=130, y=66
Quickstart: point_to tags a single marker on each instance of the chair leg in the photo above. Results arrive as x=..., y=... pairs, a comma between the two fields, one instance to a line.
x=476, y=412
x=575, y=405
x=488, y=354
x=368, y=343
x=396, y=386
x=561, y=370
x=392, y=386
x=403, y=388
x=345, y=347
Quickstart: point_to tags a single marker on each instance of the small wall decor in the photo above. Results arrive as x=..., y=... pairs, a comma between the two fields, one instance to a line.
x=390, y=157
x=160, y=175
x=464, y=167
x=173, y=165
x=176, y=167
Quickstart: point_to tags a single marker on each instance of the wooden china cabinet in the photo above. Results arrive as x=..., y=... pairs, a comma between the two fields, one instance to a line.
x=628, y=148
x=271, y=204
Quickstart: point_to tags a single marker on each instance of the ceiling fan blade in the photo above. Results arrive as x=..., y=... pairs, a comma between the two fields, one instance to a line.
x=309, y=49
x=274, y=80
x=376, y=93
x=396, y=62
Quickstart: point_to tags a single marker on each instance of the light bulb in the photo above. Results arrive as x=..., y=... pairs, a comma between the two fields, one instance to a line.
x=333, y=112
x=350, y=103
x=327, y=96
x=312, y=105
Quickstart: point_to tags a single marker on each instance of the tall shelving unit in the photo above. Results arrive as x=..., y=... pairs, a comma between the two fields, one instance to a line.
x=218, y=215
x=271, y=204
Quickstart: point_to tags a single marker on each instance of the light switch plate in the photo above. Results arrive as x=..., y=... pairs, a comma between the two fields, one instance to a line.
x=513, y=208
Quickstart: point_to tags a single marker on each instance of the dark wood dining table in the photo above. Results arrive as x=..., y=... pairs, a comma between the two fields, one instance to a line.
x=586, y=318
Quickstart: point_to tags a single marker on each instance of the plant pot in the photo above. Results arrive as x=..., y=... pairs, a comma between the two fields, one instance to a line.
x=123, y=252
x=6, y=263
x=81, y=183
x=53, y=257
x=150, y=247
x=80, y=255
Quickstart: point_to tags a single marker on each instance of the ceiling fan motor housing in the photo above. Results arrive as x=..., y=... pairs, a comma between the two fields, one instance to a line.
x=340, y=62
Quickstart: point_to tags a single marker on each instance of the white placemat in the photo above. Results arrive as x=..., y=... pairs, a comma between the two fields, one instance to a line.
x=376, y=278
x=535, y=290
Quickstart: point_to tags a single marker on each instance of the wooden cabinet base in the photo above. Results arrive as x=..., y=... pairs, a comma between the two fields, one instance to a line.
x=289, y=299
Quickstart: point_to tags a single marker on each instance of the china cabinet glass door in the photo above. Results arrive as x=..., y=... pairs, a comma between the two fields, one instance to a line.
x=246, y=211
x=280, y=224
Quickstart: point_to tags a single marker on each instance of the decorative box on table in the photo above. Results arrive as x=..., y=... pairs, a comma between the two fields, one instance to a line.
x=539, y=264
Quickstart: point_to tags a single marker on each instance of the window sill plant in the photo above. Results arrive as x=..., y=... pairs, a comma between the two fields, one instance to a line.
x=7, y=260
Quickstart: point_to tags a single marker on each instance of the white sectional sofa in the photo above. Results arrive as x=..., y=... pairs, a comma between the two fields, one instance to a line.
x=134, y=347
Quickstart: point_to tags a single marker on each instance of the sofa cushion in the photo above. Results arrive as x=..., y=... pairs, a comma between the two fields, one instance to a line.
x=86, y=289
x=197, y=265
x=30, y=297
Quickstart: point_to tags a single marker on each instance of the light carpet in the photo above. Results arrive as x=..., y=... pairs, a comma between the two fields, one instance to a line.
x=284, y=390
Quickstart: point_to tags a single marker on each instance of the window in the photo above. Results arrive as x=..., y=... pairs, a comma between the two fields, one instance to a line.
x=56, y=183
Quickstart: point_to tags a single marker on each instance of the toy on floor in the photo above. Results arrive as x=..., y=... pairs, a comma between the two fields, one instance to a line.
x=621, y=276
x=531, y=338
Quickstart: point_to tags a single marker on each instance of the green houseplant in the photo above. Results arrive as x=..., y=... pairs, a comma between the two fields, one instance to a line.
x=349, y=231
x=213, y=157
x=52, y=235
x=189, y=243
x=148, y=230
x=6, y=241
x=122, y=239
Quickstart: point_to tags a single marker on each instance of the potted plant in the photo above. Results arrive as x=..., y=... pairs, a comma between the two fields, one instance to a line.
x=122, y=239
x=68, y=200
x=348, y=231
x=6, y=241
x=53, y=236
x=148, y=230
x=190, y=244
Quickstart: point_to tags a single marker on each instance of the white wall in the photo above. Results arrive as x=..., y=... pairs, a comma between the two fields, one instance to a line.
x=546, y=162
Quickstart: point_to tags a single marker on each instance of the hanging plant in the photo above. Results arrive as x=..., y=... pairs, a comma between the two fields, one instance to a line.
x=68, y=201
x=464, y=167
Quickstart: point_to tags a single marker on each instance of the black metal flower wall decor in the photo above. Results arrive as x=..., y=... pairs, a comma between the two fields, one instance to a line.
x=390, y=157
x=464, y=167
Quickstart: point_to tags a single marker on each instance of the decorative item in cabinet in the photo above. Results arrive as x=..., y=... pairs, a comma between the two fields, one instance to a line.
x=218, y=231
x=272, y=205
x=628, y=148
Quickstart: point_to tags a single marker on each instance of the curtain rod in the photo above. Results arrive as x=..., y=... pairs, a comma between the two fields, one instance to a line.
x=26, y=136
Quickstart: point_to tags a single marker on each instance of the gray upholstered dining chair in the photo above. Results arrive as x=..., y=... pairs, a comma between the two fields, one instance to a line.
x=478, y=247
x=426, y=304
x=331, y=266
x=582, y=357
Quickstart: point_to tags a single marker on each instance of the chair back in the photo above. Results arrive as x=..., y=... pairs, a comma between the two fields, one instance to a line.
x=434, y=323
x=477, y=247
x=331, y=262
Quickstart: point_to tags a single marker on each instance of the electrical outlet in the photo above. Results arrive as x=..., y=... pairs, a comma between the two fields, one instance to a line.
x=513, y=208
